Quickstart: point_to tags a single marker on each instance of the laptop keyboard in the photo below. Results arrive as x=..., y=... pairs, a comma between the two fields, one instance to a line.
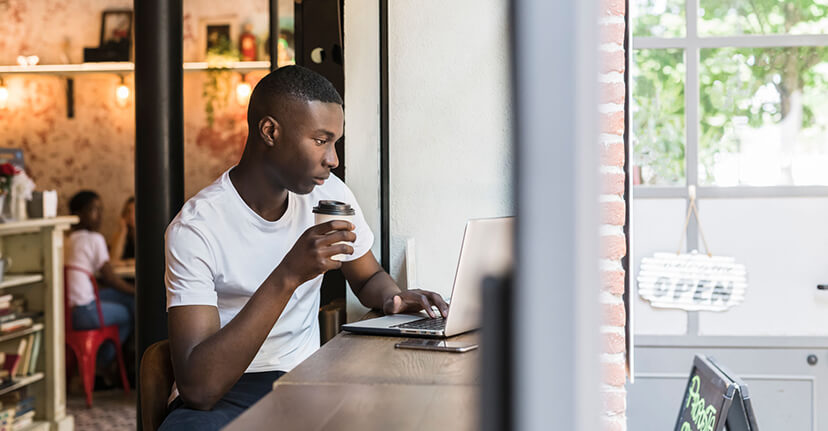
x=437, y=324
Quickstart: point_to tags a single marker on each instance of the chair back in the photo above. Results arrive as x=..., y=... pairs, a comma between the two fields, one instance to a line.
x=67, y=309
x=155, y=384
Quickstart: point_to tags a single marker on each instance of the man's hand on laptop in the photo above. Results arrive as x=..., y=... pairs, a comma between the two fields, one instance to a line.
x=412, y=301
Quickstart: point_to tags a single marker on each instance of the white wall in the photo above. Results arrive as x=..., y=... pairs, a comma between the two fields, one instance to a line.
x=450, y=139
x=449, y=113
x=362, y=118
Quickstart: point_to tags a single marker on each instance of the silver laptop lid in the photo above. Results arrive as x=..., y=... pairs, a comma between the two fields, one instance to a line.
x=487, y=250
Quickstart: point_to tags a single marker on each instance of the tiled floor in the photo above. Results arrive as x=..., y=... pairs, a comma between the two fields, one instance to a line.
x=111, y=410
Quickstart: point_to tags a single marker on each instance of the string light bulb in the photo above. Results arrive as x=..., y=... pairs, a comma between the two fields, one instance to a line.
x=122, y=94
x=243, y=91
x=4, y=95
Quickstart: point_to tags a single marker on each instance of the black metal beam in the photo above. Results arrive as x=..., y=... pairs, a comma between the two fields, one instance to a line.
x=159, y=157
x=625, y=261
x=274, y=35
x=385, y=216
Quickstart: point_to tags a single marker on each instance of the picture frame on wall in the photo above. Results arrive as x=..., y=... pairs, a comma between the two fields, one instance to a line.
x=219, y=36
x=116, y=34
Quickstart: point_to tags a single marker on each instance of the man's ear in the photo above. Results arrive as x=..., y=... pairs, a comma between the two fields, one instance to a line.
x=269, y=130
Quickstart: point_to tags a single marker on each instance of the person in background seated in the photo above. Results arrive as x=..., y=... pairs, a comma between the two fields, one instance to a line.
x=86, y=253
x=123, y=245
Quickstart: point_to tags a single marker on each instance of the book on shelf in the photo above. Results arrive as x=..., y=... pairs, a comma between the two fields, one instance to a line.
x=25, y=405
x=22, y=421
x=12, y=362
x=11, y=316
x=38, y=339
x=14, y=305
x=16, y=325
x=23, y=369
x=6, y=418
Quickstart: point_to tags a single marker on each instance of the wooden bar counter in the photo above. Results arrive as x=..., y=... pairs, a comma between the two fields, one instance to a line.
x=359, y=382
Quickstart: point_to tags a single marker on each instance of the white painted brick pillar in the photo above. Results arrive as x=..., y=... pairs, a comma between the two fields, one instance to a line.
x=613, y=93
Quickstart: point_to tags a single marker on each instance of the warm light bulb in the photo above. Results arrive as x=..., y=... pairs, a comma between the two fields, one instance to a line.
x=4, y=97
x=122, y=95
x=243, y=91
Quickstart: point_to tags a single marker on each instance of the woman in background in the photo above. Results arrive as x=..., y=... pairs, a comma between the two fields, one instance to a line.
x=86, y=254
x=123, y=245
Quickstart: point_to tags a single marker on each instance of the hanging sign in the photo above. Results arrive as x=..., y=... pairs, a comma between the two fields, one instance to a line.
x=692, y=281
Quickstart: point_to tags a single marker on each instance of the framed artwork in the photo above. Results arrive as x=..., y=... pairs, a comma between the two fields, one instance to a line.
x=116, y=34
x=13, y=156
x=218, y=35
x=116, y=27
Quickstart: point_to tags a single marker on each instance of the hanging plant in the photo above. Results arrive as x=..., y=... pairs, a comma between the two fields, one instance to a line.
x=217, y=88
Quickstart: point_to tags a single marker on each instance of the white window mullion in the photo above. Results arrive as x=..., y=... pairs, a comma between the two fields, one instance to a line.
x=691, y=95
x=749, y=41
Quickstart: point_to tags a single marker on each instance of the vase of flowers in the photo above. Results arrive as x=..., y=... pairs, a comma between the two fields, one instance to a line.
x=7, y=173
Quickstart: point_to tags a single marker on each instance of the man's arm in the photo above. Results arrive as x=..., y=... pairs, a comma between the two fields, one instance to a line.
x=207, y=359
x=376, y=289
x=111, y=279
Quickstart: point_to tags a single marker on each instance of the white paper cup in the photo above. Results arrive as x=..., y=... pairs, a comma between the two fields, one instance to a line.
x=326, y=211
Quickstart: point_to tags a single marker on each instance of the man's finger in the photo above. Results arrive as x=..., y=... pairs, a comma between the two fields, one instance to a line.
x=439, y=302
x=335, y=249
x=393, y=305
x=332, y=225
x=424, y=302
x=332, y=237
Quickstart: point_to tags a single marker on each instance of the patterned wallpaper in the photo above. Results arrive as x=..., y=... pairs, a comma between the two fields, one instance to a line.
x=95, y=149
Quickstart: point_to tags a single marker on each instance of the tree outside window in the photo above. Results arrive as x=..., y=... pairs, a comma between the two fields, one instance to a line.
x=762, y=70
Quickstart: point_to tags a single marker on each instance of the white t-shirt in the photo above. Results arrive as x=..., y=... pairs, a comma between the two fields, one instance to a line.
x=219, y=251
x=87, y=250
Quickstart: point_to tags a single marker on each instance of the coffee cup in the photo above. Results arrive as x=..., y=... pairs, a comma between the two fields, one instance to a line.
x=328, y=210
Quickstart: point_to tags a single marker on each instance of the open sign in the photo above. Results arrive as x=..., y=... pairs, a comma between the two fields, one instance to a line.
x=692, y=281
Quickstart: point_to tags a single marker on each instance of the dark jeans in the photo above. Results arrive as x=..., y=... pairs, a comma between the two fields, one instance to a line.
x=250, y=388
x=118, y=308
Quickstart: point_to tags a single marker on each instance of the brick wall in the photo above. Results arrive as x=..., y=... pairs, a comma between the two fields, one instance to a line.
x=613, y=93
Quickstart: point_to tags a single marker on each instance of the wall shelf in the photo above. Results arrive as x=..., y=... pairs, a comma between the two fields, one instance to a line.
x=21, y=382
x=11, y=280
x=121, y=67
x=37, y=426
x=36, y=247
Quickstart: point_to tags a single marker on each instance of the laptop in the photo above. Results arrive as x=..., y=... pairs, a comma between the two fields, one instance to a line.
x=487, y=250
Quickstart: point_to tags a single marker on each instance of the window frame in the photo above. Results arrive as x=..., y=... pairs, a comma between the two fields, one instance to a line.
x=692, y=44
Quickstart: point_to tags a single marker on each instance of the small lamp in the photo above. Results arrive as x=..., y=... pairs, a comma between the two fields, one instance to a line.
x=243, y=91
x=122, y=94
x=4, y=94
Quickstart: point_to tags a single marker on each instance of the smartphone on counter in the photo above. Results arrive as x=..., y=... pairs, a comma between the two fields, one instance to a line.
x=437, y=345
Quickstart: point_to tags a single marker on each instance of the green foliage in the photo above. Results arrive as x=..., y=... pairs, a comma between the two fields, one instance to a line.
x=738, y=86
x=658, y=115
x=216, y=90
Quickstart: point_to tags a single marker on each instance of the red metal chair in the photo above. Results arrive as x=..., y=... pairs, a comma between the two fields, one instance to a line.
x=85, y=343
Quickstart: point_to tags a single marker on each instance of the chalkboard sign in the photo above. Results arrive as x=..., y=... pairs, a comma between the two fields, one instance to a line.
x=715, y=400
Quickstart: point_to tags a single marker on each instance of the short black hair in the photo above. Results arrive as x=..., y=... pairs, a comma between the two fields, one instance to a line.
x=81, y=200
x=285, y=83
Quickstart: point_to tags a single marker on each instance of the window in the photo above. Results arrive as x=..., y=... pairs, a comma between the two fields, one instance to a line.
x=730, y=93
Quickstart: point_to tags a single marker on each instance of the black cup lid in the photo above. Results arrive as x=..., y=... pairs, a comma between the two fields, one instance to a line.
x=334, y=208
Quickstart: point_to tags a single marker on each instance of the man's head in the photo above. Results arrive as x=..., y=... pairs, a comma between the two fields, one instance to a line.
x=87, y=205
x=294, y=119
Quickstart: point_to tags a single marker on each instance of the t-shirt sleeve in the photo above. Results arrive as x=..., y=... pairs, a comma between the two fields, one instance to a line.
x=99, y=252
x=190, y=268
x=364, y=236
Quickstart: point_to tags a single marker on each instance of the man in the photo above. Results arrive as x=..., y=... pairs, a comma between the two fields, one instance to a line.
x=245, y=263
